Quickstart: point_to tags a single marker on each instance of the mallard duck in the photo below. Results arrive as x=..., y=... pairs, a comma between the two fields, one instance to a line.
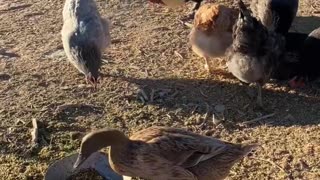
x=255, y=52
x=211, y=33
x=165, y=153
x=84, y=35
x=276, y=15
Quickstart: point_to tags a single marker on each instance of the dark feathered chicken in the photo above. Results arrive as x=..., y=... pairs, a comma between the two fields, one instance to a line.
x=290, y=65
x=309, y=60
x=84, y=35
x=276, y=15
x=255, y=51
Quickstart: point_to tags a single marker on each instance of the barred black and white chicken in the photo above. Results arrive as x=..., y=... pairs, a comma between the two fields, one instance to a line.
x=255, y=52
x=84, y=35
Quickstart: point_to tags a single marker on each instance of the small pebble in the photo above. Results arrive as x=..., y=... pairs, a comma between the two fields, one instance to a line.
x=219, y=108
x=75, y=135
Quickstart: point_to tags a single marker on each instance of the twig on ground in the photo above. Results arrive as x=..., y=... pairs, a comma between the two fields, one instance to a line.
x=259, y=118
x=203, y=94
x=105, y=61
x=178, y=54
x=271, y=162
x=143, y=94
x=34, y=132
x=186, y=24
x=152, y=95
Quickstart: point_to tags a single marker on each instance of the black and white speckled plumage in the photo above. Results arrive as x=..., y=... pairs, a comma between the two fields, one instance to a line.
x=255, y=52
x=84, y=35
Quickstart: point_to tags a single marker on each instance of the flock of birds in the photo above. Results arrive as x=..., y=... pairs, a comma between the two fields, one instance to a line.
x=255, y=41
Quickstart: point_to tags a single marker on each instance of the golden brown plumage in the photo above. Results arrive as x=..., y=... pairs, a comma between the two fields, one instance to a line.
x=211, y=34
x=165, y=153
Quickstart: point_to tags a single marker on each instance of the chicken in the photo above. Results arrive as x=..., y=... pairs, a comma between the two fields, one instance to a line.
x=309, y=60
x=290, y=65
x=84, y=36
x=211, y=33
x=276, y=15
x=174, y=3
x=255, y=52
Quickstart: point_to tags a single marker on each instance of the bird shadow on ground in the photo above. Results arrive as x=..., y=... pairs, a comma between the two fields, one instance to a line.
x=5, y=53
x=305, y=24
x=69, y=112
x=283, y=107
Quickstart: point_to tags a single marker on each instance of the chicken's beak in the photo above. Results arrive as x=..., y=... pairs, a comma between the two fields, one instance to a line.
x=242, y=9
x=241, y=15
x=241, y=5
x=93, y=81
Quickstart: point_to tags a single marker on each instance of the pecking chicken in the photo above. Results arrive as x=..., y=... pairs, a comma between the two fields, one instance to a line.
x=309, y=60
x=174, y=3
x=211, y=33
x=255, y=52
x=276, y=15
x=84, y=35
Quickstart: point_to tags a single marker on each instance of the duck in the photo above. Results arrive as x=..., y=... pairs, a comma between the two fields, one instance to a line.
x=85, y=35
x=255, y=52
x=160, y=152
x=211, y=33
x=309, y=62
x=276, y=15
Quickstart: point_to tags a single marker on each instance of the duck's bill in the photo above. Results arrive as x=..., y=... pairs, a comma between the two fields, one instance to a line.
x=79, y=161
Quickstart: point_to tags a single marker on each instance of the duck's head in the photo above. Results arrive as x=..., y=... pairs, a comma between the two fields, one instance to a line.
x=97, y=140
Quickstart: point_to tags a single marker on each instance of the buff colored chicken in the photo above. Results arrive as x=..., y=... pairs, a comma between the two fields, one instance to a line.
x=211, y=33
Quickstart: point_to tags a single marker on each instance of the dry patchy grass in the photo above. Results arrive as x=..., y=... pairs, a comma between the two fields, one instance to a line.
x=151, y=78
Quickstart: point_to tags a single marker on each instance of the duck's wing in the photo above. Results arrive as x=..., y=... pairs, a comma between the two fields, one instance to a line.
x=180, y=147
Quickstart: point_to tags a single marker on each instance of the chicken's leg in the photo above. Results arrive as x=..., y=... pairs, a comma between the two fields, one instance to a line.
x=259, y=98
x=207, y=65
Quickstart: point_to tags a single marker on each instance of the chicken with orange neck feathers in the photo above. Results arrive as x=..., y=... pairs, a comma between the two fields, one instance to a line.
x=211, y=34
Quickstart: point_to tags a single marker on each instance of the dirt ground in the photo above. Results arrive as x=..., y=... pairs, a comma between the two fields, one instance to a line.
x=151, y=77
